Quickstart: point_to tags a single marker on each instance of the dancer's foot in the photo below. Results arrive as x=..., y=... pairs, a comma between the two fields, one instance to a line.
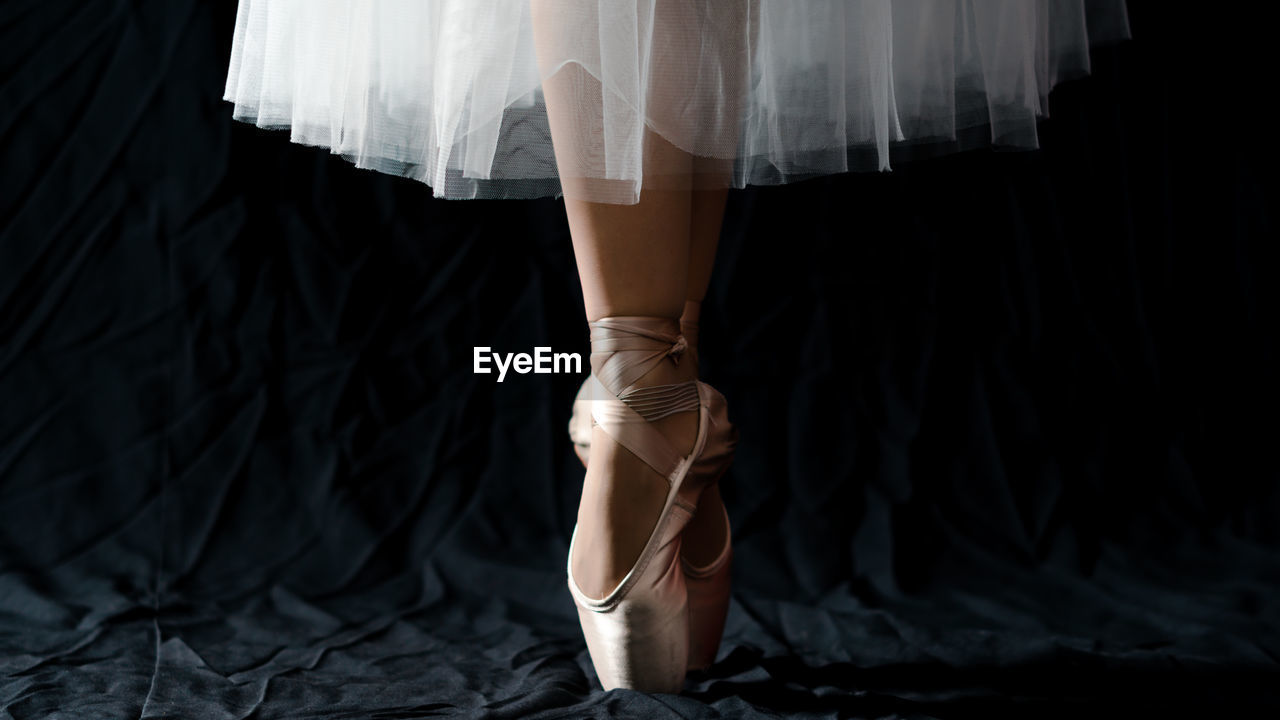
x=623, y=497
x=704, y=537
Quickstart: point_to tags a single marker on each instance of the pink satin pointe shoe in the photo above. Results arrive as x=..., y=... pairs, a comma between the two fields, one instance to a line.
x=708, y=589
x=638, y=635
x=707, y=586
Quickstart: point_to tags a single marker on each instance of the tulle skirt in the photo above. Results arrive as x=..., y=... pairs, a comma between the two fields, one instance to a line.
x=467, y=96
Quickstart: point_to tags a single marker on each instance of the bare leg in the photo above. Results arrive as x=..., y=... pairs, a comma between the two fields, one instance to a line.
x=706, y=218
x=632, y=259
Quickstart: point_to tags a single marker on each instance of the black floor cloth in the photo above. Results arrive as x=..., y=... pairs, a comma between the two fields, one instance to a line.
x=1007, y=419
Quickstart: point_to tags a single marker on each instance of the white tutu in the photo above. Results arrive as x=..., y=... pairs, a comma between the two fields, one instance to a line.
x=652, y=93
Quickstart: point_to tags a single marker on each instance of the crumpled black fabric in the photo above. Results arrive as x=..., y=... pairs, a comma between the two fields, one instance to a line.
x=1007, y=420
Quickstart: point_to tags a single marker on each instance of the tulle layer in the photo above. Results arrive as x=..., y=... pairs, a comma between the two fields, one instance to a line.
x=467, y=95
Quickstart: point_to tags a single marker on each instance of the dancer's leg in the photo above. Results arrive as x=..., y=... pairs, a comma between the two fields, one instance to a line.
x=704, y=535
x=706, y=210
x=643, y=259
x=632, y=260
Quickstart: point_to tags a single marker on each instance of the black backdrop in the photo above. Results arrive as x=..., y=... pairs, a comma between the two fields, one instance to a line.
x=1008, y=435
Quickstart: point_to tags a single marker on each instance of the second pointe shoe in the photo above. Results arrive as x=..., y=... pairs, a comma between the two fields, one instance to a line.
x=638, y=634
x=708, y=586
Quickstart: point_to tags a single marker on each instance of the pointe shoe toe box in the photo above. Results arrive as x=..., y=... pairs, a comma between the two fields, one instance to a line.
x=638, y=634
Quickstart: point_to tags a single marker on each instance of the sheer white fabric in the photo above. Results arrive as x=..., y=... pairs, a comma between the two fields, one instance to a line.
x=464, y=95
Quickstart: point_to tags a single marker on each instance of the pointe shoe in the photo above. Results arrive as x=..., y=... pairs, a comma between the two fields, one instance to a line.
x=638, y=634
x=708, y=587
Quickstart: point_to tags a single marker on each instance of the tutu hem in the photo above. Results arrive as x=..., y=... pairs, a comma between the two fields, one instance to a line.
x=455, y=98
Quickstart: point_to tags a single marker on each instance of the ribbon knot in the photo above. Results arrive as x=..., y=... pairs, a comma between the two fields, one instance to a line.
x=678, y=348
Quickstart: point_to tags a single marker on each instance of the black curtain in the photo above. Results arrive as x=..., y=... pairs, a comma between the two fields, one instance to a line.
x=1007, y=419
